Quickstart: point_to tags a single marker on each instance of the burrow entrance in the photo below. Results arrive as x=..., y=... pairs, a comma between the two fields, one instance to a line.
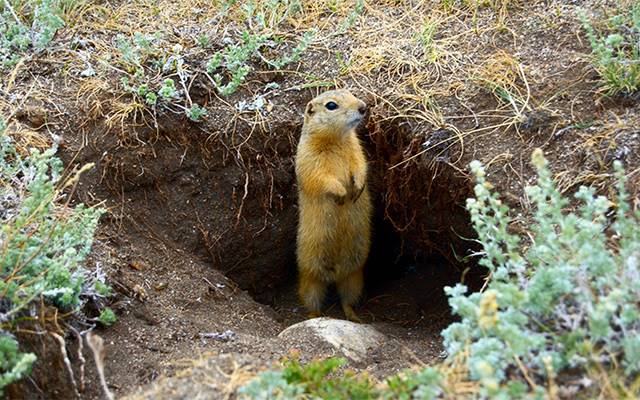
x=422, y=237
x=403, y=286
x=183, y=206
x=234, y=208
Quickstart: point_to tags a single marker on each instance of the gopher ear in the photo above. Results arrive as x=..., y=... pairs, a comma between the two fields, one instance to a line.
x=309, y=110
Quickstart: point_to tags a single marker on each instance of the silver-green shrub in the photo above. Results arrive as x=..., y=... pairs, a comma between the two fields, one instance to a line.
x=33, y=26
x=565, y=299
x=43, y=244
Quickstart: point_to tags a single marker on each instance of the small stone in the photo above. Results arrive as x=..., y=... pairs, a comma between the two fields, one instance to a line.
x=353, y=340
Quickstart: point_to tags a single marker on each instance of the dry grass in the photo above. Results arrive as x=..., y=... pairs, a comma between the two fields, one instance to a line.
x=414, y=66
x=211, y=376
x=607, y=140
x=420, y=64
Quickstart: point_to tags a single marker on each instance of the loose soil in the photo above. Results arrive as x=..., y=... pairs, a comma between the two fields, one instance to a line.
x=199, y=238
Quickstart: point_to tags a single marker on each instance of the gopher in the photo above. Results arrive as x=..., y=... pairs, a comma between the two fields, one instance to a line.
x=334, y=231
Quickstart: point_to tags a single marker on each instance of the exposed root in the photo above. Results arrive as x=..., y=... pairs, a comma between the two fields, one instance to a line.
x=81, y=359
x=96, y=344
x=67, y=362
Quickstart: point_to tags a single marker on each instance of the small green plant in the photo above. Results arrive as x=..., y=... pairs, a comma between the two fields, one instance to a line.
x=204, y=41
x=296, y=53
x=34, y=28
x=343, y=62
x=447, y=4
x=168, y=90
x=426, y=34
x=137, y=50
x=357, y=11
x=316, y=380
x=228, y=68
x=46, y=22
x=324, y=379
x=422, y=384
x=616, y=54
x=149, y=96
x=13, y=364
x=234, y=59
x=269, y=14
x=196, y=112
x=426, y=37
x=102, y=289
x=107, y=317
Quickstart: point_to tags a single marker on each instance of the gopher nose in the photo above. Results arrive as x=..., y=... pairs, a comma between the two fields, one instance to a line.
x=362, y=109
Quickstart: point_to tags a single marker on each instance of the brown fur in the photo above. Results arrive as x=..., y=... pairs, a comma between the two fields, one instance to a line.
x=334, y=204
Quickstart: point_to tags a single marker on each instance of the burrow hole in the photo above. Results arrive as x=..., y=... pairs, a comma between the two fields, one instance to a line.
x=413, y=256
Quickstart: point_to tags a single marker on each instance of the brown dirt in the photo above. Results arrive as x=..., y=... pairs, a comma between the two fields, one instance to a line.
x=200, y=233
x=189, y=289
x=189, y=257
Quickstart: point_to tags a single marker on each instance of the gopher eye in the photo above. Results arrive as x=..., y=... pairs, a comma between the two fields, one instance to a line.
x=331, y=106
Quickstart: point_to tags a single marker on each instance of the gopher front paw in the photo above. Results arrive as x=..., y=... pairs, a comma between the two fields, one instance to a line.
x=339, y=200
x=339, y=195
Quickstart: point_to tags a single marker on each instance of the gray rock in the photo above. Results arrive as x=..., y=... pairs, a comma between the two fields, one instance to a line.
x=353, y=340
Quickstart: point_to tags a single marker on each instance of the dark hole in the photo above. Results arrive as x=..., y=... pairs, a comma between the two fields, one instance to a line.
x=408, y=267
x=404, y=285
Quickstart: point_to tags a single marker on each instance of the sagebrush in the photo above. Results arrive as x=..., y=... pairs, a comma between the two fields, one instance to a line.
x=43, y=246
x=28, y=25
x=565, y=300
